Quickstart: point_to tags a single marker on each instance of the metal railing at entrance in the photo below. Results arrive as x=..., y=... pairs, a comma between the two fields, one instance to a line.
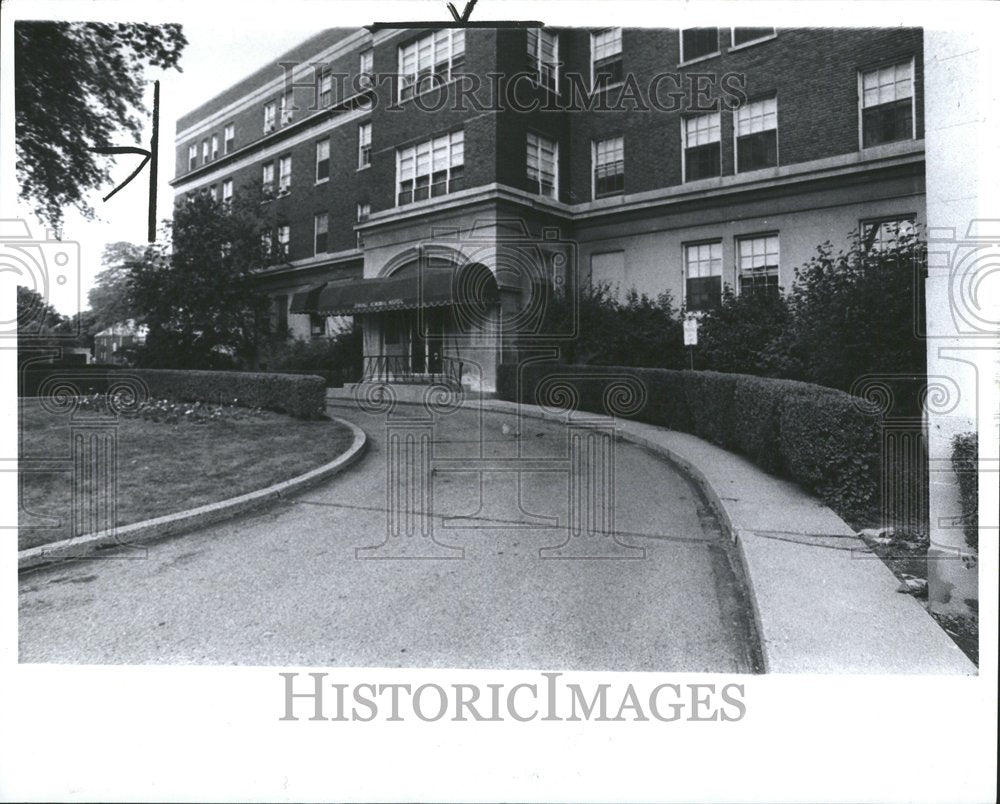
x=400, y=369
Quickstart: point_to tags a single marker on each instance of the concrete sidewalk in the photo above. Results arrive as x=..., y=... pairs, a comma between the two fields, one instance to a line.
x=823, y=602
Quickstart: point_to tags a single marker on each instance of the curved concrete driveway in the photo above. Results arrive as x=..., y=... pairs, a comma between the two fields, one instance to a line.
x=292, y=585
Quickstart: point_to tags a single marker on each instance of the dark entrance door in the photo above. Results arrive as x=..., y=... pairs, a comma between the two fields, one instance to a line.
x=434, y=319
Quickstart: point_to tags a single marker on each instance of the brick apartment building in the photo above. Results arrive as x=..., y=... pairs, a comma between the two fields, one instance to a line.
x=440, y=185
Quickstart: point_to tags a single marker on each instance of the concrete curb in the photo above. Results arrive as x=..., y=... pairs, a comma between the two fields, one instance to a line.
x=822, y=602
x=173, y=524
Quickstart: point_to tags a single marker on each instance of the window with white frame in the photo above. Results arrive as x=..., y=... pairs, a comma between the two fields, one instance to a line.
x=608, y=270
x=284, y=238
x=204, y=152
x=702, y=146
x=543, y=57
x=321, y=224
x=325, y=88
x=887, y=100
x=543, y=165
x=267, y=178
x=267, y=246
x=270, y=111
x=228, y=138
x=430, y=168
x=746, y=36
x=284, y=175
x=757, y=264
x=606, y=57
x=213, y=193
x=364, y=212
x=366, y=67
x=215, y=146
x=322, y=160
x=227, y=192
x=697, y=43
x=430, y=61
x=364, y=145
x=757, y=135
x=702, y=275
x=192, y=156
x=608, y=158
x=883, y=234
x=287, y=102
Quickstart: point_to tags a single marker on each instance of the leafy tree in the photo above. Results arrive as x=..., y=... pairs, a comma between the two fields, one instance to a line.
x=854, y=313
x=35, y=316
x=200, y=300
x=635, y=331
x=76, y=86
x=111, y=297
x=739, y=335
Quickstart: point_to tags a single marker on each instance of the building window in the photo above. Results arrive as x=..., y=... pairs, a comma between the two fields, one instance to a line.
x=204, y=152
x=227, y=192
x=267, y=246
x=757, y=135
x=228, y=138
x=366, y=68
x=757, y=261
x=270, y=110
x=543, y=57
x=702, y=147
x=192, y=156
x=267, y=178
x=606, y=57
x=609, y=166
x=746, y=36
x=287, y=102
x=430, y=61
x=431, y=168
x=696, y=43
x=607, y=270
x=284, y=175
x=213, y=193
x=882, y=234
x=317, y=325
x=322, y=160
x=215, y=146
x=364, y=145
x=284, y=238
x=702, y=275
x=321, y=224
x=543, y=165
x=325, y=89
x=887, y=104
x=364, y=212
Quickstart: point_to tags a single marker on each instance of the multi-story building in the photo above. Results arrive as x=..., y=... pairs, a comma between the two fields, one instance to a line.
x=441, y=185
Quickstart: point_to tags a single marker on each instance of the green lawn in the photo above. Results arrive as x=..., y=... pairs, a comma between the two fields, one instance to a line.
x=165, y=468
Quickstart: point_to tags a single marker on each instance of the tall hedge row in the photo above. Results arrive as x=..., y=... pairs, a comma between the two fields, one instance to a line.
x=303, y=396
x=824, y=439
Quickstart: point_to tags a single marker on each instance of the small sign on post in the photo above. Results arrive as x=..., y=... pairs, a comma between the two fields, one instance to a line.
x=691, y=337
x=691, y=331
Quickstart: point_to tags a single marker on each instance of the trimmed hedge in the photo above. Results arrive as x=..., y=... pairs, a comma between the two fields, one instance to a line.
x=824, y=439
x=965, y=462
x=303, y=396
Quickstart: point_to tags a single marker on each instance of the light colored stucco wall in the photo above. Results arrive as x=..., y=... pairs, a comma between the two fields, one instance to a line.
x=654, y=260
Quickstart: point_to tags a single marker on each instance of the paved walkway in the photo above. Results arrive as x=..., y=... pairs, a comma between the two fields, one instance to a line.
x=287, y=586
x=823, y=602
